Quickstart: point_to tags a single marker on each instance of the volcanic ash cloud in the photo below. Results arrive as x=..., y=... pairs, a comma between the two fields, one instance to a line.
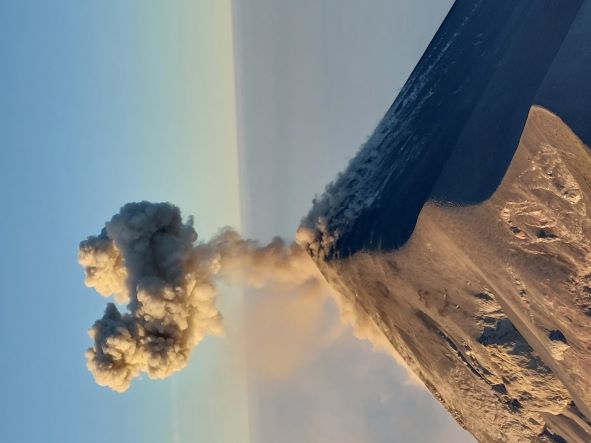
x=147, y=256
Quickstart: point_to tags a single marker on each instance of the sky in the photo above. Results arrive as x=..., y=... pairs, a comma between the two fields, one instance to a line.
x=105, y=103
x=238, y=113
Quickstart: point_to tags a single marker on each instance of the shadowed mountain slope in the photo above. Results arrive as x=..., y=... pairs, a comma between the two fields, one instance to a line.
x=453, y=129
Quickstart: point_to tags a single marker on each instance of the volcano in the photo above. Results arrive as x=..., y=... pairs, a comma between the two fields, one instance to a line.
x=462, y=228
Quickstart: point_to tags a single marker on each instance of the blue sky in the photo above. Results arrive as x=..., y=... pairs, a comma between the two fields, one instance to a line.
x=105, y=103
x=110, y=102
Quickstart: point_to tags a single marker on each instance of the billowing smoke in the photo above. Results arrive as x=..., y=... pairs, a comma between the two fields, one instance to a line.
x=148, y=257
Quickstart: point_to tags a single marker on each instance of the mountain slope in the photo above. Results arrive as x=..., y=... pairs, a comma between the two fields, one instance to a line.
x=462, y=228
x=490, y=305
x=476, y=82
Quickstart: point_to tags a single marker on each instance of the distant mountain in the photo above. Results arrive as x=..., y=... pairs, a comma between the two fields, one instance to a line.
x=463, y=227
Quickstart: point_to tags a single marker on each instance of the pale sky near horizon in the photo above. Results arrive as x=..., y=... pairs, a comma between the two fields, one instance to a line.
x=110, y=102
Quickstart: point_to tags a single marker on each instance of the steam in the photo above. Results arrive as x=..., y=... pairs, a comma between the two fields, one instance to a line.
x=148, y=257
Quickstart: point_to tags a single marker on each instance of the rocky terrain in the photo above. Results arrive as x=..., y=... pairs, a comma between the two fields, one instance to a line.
x=462, y=229
x=490, y=305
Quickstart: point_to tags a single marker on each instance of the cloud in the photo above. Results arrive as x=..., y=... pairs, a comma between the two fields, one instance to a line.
x=105, y=270
x=145, y=255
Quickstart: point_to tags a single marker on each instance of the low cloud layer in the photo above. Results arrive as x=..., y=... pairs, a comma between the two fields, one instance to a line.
x=148, y=257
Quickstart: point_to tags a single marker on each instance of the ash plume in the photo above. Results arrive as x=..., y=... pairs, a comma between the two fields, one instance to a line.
x=148, y=257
